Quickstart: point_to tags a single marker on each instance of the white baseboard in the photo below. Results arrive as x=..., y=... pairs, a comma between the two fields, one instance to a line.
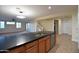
x=74, y=40
x=65, y=34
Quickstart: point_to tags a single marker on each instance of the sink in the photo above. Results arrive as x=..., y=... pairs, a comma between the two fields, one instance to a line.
x=40, y=34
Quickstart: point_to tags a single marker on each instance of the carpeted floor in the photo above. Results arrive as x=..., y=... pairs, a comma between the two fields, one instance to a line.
x=65, y=45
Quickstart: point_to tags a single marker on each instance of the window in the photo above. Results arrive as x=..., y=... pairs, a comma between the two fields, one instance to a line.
x=29, y=27
x=11, y=23
x=2, y=24
x=18, y=24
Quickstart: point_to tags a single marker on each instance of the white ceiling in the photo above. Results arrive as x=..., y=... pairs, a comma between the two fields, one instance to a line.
x=35, y=11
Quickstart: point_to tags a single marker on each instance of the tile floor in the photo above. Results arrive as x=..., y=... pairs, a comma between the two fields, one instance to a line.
x=65, y=45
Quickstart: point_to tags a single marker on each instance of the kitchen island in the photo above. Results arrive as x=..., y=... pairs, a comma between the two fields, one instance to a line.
x=39, y=42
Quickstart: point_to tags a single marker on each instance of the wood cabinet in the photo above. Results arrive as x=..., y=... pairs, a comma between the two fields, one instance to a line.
x=44, y=44
x=20, y=49
x=41, y=45
x=33, y=49
x=31, y=44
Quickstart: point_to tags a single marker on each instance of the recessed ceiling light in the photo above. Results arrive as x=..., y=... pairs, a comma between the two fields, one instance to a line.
x=21, y=17
x=18, y=8
x=20, y=11
x=49, y=7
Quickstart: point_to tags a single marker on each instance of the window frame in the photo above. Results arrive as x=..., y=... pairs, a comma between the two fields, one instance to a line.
x=4, y=25
x=10, y=23
x=20, y=25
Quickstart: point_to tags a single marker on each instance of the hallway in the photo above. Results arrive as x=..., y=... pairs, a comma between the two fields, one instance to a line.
x=65, y=45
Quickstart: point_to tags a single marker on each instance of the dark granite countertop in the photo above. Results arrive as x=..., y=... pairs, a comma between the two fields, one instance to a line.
x=11, y=41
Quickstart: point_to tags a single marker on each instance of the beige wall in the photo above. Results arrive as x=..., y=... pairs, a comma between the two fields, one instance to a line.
x=66, y=26
x=75, y=26
x=47, y=24
x=75, y=36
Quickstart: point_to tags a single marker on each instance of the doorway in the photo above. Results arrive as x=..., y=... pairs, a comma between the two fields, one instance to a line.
x=56, y=30
x=56, y=26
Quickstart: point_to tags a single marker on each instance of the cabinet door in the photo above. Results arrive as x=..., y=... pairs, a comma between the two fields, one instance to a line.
x=20, y=49
x=33, y=49
x=47, y=42
x=42, y=46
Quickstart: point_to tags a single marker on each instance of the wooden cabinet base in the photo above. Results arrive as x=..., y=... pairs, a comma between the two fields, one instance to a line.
x=20, y=49
x=39, y=46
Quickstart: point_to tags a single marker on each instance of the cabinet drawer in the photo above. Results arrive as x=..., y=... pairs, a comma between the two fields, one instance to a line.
x=33, y=49
x=18, y=49
x=42, y=39
x=29, y=45
x=48, y=37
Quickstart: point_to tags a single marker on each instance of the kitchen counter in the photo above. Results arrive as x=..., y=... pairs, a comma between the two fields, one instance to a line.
x=11, y=41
